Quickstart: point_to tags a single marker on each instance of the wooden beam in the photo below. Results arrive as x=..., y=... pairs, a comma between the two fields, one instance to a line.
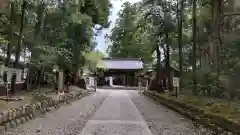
x=4, y=3
x=231, y=14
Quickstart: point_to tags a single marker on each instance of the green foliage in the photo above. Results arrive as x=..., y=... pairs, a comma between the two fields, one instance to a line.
x=93, y=60
x=55, y=33
x=3, y=41
x=67, y=32
x=98, y=10
x=40, y=97
x=130, y=37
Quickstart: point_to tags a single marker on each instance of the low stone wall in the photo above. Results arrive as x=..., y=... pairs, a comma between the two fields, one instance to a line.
x=217, y=123
x=13, y=117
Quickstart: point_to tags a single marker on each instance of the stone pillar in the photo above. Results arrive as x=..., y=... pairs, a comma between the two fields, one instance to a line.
x=146, y=85
x=139, y=83
x=91, y=81
x=111, y=81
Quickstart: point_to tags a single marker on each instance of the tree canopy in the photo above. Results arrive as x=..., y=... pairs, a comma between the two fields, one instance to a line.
x=129, y=36
x=56, y=32
x=197, y=37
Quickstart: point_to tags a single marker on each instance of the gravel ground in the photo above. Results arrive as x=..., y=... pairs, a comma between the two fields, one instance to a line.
x=68, y=120
x=111, y=112
x=163, y=121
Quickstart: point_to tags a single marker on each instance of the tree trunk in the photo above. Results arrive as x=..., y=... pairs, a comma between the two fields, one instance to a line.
x=168, y=64
x=28, y=80
x=24, y=61
x=194, y=29
x=40, y=76
x=180, y=43
x=74, y=78
x=155, y=83
x=158, y=63
x=10, y=34
x=158, y=69
x=19, y=45
x=217, y=8
x=38, y=31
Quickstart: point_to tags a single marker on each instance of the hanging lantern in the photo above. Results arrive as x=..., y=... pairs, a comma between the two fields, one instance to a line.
x=55, y=69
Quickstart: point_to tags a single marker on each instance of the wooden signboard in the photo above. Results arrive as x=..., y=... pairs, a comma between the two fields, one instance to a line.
x=175, y=81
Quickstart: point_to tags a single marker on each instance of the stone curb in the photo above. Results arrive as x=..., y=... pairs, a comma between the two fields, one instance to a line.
x=14, y=117
x=214, y=122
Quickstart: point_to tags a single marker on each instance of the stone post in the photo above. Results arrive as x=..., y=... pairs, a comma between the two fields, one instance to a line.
x=146, y=85
x=139, y=84
x=91, y=81
x=111, y=81
x=95, y=84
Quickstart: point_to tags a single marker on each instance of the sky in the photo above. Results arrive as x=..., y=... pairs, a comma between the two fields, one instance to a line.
x=117, y=5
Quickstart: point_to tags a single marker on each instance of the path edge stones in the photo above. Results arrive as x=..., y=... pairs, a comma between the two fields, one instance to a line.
x=211, y=121
x=13, y=117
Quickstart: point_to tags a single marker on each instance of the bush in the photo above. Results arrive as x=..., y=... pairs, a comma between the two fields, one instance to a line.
x=40, y=97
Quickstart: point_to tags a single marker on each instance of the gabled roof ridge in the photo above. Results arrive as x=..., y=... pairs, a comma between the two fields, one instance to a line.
x=121, y=63
x=122, y=59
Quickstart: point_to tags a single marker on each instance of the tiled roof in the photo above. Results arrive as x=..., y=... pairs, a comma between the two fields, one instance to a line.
x=121, y=63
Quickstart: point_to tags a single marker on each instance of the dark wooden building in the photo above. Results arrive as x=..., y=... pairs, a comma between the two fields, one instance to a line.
x=119, y=71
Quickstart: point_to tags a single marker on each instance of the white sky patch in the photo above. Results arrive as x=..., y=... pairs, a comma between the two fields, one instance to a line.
x=117, y=6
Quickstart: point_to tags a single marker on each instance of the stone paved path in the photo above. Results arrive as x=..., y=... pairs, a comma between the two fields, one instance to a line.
x=117, y=115
x=110, y=112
